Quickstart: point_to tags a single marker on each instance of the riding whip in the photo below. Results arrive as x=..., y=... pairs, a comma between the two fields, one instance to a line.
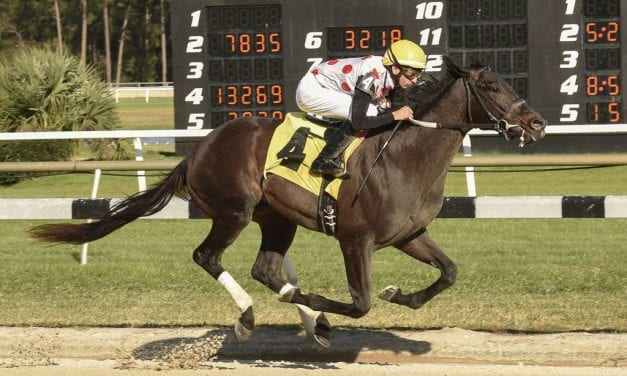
x=385, y=145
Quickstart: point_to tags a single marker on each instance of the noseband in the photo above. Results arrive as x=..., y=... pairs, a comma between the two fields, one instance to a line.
x=499, y=124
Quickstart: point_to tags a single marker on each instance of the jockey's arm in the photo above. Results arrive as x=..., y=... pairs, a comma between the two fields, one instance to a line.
x=362, y=99
x=359, y=110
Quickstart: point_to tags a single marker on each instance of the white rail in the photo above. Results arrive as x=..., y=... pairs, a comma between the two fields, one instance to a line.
x=137, y=135
x=142, y=91
x=607, y=129
x=79, y=135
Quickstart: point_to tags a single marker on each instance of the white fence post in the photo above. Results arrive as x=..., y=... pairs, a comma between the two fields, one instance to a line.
x=94, y=194
x=139, y=156
x=470, y=170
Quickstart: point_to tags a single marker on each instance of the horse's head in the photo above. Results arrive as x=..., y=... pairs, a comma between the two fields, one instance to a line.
x=492, y=100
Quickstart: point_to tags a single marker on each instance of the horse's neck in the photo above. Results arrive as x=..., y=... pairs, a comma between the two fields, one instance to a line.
x=446, y=110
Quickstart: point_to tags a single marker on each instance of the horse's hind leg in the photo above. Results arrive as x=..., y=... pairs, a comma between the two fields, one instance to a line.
x=208, y=255
x=423, y=248
x=277, y=234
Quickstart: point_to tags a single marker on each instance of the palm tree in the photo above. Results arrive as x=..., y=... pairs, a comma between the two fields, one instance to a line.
x=84, y=34
x=124, y=30
x=43, y=90
x=105, y=17
x=164, y=47
x=57, y=17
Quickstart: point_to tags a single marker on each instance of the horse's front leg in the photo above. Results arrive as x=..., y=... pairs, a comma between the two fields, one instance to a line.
x=423, y=248
x=358, y=263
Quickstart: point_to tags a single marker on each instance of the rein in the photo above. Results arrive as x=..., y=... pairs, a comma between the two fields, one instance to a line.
x=498, y=124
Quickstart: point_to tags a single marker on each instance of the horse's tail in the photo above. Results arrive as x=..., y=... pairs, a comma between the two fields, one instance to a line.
x=140, y=204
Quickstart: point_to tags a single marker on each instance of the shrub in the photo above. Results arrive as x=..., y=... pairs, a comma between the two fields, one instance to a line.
x=42, y=90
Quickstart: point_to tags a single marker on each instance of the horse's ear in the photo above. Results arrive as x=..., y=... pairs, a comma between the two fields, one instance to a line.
x=454, y=68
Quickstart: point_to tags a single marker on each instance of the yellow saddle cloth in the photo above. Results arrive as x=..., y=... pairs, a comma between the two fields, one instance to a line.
x=294, y=146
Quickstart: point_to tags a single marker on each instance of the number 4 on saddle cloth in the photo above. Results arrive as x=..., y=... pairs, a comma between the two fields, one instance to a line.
x=294, y=146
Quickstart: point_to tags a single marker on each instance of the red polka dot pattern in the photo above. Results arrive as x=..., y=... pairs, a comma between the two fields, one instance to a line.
x=315, y=72
x=332, y=62
x=347, y=69
x=346, y=86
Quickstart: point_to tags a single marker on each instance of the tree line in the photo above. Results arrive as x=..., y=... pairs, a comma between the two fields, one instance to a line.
x=125, y=40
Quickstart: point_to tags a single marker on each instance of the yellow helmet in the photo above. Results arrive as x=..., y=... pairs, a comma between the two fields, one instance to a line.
x=405, y=53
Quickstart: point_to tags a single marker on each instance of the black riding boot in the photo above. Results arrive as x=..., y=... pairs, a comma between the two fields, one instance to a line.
x=329, y=161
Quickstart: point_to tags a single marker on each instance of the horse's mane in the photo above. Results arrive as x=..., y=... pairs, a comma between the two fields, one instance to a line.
x=428, y=89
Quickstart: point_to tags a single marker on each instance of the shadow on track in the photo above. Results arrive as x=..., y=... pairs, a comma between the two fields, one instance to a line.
x=281, y=345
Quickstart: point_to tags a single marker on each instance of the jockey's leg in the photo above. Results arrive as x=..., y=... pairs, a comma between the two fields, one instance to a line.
x=327, y=162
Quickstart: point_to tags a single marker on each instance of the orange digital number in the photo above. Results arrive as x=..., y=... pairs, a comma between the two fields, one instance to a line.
x=595, y=117
x=219, y=96
x=247, y=95
x=275, y=42
x=612, y=83
x=261, y=96
x=277, y=94
x=395, y=34
x=263, y=113
x=260, y=43
x=614, y=111
x=247, y=114
x=231, y=95
x=233, y=115
x=592, y=86
x=230, y=38
x=277, y=114
x=591, y=32
x=244, y=43
x=349, y=39
x=364, y=39
x=612, y=32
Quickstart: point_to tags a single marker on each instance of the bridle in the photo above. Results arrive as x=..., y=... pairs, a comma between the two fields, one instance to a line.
x=497, y=123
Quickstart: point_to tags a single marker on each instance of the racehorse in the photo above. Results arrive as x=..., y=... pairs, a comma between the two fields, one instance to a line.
x=224, y=177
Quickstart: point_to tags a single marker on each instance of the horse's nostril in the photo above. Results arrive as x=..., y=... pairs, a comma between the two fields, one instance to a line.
x=538, y=124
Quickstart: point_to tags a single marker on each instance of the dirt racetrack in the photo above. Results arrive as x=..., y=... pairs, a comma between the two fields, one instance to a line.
x=284, y=351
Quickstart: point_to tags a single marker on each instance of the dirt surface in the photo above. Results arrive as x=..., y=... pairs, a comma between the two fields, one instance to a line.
x=281, y=351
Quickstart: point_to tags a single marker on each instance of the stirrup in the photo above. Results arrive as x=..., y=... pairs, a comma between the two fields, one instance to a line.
x=329, y=167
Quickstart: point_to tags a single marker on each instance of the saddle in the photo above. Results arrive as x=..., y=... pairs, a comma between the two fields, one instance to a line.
x=296, y=143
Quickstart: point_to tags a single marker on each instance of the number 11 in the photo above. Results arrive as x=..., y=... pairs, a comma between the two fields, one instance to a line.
x=426, y=34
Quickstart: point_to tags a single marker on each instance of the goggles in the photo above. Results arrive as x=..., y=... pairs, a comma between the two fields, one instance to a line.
x=411, y=73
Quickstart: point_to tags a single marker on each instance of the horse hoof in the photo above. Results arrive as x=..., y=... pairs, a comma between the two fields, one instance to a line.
x=388, y=293
x=322, y=332
x=322, y=341
x=245, y=325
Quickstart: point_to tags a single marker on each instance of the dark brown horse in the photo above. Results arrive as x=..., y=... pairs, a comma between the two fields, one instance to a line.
x=224, y=177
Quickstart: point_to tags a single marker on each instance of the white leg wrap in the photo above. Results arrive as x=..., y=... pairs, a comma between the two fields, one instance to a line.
x=286, y=289
x=241, y=297
x=310, y=313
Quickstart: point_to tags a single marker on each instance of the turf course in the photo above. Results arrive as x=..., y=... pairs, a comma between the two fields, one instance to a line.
x=528, y=275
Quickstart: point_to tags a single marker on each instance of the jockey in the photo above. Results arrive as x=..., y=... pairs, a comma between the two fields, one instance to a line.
x=356, y=90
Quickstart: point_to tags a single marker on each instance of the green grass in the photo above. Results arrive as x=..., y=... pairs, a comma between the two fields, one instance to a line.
x=134, y=113
x=490, y=181
x=531, y=275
